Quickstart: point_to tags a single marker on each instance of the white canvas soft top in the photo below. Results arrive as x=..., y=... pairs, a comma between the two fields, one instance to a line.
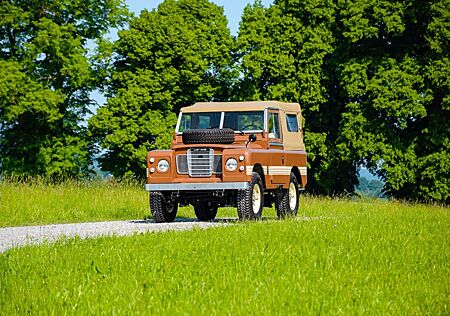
x=240, y=106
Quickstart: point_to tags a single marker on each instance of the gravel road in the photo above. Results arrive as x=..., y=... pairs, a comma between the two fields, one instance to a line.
x=24, y=235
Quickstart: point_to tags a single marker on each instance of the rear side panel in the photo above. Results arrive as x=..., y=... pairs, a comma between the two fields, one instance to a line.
x=277, y=166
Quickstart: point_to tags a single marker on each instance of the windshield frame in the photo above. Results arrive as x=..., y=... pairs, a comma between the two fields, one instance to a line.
x=222, y=118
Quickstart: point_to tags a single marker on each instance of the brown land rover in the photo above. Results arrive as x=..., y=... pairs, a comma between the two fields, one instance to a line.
x=243, y=154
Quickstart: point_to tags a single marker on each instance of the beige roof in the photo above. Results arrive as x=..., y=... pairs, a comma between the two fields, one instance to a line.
x=240, y=106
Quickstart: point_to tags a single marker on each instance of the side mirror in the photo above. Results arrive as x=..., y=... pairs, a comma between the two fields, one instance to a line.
x=252, y=138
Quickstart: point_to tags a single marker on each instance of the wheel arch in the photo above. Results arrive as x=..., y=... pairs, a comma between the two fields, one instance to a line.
x=297, y=174
x=259, y=169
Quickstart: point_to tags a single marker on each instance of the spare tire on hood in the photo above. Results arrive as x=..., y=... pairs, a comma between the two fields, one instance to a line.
x=209, y=136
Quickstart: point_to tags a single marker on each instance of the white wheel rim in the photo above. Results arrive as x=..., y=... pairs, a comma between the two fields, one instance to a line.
x=292, y=196
x=256, y=198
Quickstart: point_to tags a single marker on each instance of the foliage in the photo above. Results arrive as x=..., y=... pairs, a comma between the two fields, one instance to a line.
x=373, y=80
x=354, y=258
x=396, y=117
x=285, y=53
x=45, y=80
x=168, y=58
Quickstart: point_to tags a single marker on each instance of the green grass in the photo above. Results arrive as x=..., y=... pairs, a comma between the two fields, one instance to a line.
x=353, y=257
x=38, y=203
x=72, y=201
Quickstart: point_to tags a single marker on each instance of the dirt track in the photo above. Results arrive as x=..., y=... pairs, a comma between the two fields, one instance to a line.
x=24, y=235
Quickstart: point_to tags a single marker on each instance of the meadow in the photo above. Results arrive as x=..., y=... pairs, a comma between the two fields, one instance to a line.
x=339, y=256
x=35, y=202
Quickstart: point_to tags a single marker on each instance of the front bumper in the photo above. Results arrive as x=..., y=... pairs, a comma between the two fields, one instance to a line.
x=197, y=186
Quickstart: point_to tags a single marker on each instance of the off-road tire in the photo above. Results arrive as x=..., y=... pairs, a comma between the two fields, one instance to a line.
x=245, y=200
x=205, y=210
x=163, y=209
x=282, y=204
x=209, y=136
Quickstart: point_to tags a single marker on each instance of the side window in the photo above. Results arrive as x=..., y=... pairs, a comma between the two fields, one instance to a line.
x=292, y=123
x=274, y=125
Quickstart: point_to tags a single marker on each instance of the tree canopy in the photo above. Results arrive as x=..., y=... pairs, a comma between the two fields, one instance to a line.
x=168, y=58
x=373, y=79
x=393, y=75
x=45, y=81
x=286, y=54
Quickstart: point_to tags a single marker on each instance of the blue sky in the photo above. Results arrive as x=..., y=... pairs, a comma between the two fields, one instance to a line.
x=233, y=9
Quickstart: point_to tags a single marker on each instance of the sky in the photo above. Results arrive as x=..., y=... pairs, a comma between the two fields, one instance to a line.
x=233, y=9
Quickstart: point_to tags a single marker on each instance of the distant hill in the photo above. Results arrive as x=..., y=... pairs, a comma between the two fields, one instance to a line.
x=369, y=185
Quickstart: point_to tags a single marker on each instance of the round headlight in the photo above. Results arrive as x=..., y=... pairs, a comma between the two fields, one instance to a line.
x=163, y=165
x=231, y=164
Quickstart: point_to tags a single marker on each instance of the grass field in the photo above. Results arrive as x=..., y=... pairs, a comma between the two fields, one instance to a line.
x=38, y=203
x=339, y=257
x=73, y=201
x=356, y=262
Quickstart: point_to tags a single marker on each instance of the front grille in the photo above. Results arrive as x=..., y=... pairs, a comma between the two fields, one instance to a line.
x=199, y=162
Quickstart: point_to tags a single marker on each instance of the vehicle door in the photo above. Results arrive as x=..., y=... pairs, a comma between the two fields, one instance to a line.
x=275, y=169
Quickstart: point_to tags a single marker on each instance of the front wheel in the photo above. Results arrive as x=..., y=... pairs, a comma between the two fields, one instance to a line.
x=163, y=208
x=287, y=200
x=205, y=210
x=250, y=201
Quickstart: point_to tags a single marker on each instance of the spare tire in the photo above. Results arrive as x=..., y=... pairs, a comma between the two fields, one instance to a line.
x=208, y=136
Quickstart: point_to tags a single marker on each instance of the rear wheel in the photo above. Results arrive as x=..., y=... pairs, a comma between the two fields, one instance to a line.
x=163, y=208
x=205, y=210
x=287, y=200
x=250, y=201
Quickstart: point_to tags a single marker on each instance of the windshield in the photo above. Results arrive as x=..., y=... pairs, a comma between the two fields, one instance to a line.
x=238, y=121
x=199, y=120
x=244, y=121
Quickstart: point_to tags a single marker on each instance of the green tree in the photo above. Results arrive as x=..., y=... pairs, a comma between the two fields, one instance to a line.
x=45, y=81
x=285, y=52
x=373, y=80
x=394, y=74
x=168, y=58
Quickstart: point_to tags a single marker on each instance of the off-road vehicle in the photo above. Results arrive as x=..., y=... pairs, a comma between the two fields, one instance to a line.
x=242, y=154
